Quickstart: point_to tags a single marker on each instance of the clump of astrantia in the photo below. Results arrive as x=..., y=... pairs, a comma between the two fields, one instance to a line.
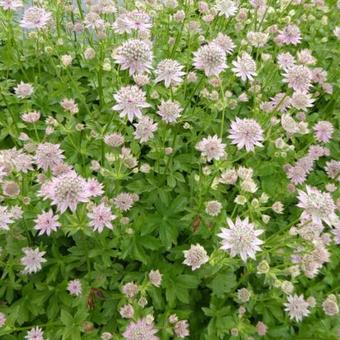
x=241, y=238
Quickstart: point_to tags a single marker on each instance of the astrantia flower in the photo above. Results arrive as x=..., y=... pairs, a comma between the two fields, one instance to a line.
x=140, y=330
x=297, y=307
x=169, y=71
x=65, y=191
x=74, y=287
x=127, y=311
x=93, y=20
x=100, y=216
x=114, y=139
x=323, y=131
x=6, y=218
x=241, y=238
x=169, y=110
x=30, y=117
x=32, y=260
x=318, y=206
x=155, y=277
x=246, y=133
x=12, y=5
x=46, y=222
x=301, y=100
x=244, y=67
x=94, y=188
x=298, y=78
x=227, y=8
x=195, y=257
x=305, y=57
x=124, y=201
x=211, y=148
x=10, y=189
x=289, y=35
x=134, y=55
x=35, y=18
x=145, y=129
x=69, y=105
x=23, y=90
x=48, y=155
x=257, y=39
x=182, y=329
x=330, y=305
x=130, y=289
x=224, y=42
x=333, y=169
x=139, y=20
x=285, y=61
x=211, y=59
x=297, y=174
x=213, y=208
x=130, y=102
x=2, y=319
x=35, y=333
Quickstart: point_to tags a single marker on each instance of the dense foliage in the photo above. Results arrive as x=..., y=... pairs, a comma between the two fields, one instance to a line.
x=169, y=169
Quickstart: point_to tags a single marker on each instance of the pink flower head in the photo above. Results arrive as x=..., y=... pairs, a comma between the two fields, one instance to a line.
x=211, y=148
x=142, y=329
x=244, y=67
x=35, y=333
x=211, y=59
x=241, y=238
x=130, y=102
x=30, y=117
x=169, y=71
x=246, y=133
x=145, y=129
x=35, y=18
x=65, y=191
x=74, y=287
x=134, y=55
x=46, y=222
x=101, y=216
x=298, y=78
x=323, y=131
x=94, y=188
x=318, y=206
x=6, y=218
x=48, y=155
x=32, y=260
x=23, y=90
x=290, y=35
